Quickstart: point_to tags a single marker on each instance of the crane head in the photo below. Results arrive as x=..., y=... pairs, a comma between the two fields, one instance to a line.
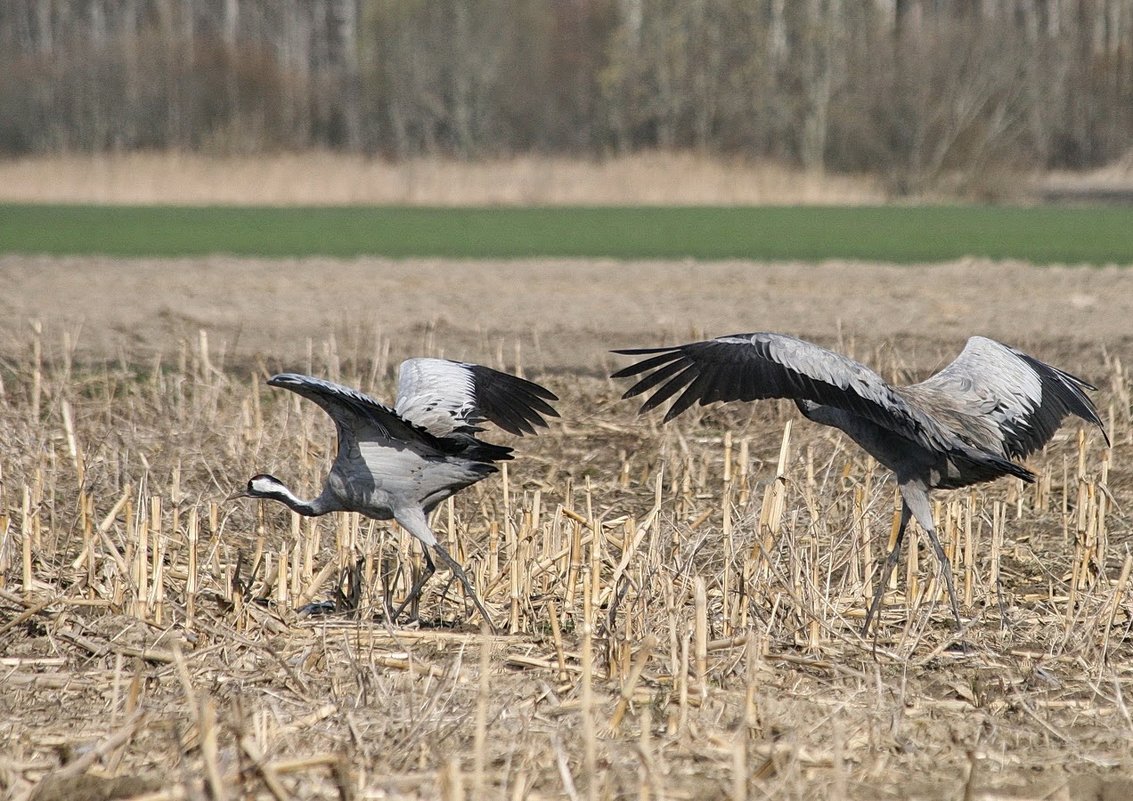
x=259, y=486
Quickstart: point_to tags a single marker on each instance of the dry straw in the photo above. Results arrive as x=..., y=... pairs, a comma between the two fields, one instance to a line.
x=321, y=179
x=682, y=603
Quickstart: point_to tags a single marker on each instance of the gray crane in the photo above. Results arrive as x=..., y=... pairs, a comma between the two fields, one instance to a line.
x=966, y=424
x=400, y=463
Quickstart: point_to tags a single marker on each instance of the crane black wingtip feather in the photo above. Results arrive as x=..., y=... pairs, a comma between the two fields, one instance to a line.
x=641, y=351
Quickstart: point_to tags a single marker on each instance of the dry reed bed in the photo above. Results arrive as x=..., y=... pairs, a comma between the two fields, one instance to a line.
x=323, y=178
x=681, y=605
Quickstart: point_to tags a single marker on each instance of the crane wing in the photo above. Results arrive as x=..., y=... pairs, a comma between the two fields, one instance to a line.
x=358, y=417
x=444, y=396
x=766, y=365
x=1025, y=399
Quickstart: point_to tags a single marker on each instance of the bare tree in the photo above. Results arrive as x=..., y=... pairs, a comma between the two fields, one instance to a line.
x=917, y=90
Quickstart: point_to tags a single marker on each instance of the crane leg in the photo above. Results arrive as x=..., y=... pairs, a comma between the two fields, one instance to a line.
x=458, y=571
x=917, y=500
x=887, y=569
x=946, y=571
x=418, y=585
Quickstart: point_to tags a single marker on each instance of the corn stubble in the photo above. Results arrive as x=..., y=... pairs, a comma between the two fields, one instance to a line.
x=680, y=603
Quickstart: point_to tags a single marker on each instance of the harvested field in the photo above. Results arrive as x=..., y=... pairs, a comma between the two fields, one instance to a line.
x=680, y=604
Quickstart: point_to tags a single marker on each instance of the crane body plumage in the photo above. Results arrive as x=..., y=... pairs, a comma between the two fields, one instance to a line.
x=399, y=463
x=964, y=425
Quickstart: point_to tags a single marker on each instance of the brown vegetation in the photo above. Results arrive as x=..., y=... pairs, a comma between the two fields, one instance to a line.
x=681, y=603
x=326, y=178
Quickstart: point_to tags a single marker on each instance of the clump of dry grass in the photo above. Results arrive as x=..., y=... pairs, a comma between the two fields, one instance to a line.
x=681, y=605
x=322, y=178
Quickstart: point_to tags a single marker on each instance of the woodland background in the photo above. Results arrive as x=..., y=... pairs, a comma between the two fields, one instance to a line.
x=906, y=90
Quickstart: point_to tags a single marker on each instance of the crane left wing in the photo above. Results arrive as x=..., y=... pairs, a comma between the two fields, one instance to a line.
x=768, y=365
x=444, y=396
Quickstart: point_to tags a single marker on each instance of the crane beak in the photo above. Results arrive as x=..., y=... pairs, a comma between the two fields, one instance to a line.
x=240, y=493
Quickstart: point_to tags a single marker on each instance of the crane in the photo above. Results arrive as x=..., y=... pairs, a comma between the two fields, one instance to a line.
x=967, y=424
x=400, y=463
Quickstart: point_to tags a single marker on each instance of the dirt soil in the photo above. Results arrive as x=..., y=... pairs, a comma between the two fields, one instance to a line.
x=576, y=309
x=141, y=382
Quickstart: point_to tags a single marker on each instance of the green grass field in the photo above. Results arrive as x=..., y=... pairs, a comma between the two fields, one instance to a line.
x=894, y=234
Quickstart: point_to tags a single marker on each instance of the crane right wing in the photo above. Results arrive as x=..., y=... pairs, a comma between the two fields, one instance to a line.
x=357, y=416
x=1023, y=400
